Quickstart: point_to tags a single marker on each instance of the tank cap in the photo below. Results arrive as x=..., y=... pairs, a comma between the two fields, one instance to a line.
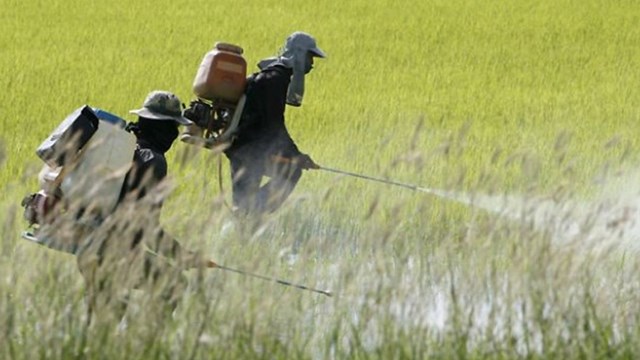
x=229, y=47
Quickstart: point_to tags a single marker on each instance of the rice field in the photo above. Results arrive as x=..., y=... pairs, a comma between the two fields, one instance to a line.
x=520, y=117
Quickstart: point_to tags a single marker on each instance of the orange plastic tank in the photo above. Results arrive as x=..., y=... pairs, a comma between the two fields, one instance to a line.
x=222, y=74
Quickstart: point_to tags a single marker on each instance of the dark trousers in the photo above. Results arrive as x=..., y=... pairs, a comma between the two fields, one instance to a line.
x=249, y=196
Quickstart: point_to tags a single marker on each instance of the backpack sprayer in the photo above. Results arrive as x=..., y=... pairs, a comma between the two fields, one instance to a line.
x=85, y=162
x=219, y=85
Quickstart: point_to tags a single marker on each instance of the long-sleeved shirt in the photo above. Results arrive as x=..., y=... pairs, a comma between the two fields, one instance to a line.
x=262, y=131
x=148, y=170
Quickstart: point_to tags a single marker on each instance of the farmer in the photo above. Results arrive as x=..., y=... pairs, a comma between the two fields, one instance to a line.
x=263, y=146
x=129, y=249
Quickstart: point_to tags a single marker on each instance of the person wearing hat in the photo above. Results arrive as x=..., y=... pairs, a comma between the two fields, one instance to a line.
x=155, y=131
x=262, y=145
x=130, y=249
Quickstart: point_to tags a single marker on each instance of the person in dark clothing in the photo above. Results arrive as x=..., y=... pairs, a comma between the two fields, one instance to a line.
x=262, y=145
x=130, y=249
x=155, y=133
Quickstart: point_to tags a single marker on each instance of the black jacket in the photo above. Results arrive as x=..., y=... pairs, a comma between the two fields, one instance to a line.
x=262, y=132
x=149, y=168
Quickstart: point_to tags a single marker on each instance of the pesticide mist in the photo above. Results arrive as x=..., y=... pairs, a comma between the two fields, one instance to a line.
x=607, y=221
x=580, y=238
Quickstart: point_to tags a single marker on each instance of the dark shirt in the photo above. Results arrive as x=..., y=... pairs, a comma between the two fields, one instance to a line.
x=262, y=132
x=149, y=168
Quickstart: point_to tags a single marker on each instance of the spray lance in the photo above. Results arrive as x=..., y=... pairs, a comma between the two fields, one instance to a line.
x=436, y=192
x=213, y=265
x=390, y=182
x=196, y=262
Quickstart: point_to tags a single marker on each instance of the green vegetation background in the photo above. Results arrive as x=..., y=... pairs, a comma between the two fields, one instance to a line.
x=492, y=96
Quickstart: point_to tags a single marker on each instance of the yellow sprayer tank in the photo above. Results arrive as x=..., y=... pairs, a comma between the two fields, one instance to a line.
x=222, y=74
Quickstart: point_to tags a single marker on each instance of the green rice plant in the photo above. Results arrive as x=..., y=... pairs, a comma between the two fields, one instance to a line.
x=525, y=111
